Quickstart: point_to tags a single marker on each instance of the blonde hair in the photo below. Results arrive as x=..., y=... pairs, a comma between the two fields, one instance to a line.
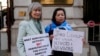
x=32, y=6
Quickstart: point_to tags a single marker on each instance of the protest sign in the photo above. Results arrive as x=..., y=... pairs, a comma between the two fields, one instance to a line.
x=37, y=45
x=67, y=41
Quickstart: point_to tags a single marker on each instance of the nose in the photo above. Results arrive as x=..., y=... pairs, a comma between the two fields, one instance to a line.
x=37, y=11
x=60, y=16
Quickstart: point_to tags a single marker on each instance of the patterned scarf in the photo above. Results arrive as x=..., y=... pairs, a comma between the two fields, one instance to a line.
x=38, y=25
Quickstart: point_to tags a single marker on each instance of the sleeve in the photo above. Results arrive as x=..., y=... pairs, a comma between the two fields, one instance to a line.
x=47, y=29
x=69, y=27
x=20, y=43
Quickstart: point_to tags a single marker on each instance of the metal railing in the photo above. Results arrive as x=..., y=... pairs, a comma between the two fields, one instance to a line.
x=94, y=33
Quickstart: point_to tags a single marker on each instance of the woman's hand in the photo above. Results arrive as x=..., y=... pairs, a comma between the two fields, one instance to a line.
x=84, y=41
x=51, y=37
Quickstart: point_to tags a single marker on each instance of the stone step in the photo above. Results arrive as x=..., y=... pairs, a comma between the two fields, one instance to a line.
x=4, y=39
x=4, y=53
x=14, y=51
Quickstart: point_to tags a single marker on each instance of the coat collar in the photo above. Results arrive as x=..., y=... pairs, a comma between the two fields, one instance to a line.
x=62, y=24
x=33, y=27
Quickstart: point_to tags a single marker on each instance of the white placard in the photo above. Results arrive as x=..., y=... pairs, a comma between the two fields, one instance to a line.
x=37, y=45
x=67, y=41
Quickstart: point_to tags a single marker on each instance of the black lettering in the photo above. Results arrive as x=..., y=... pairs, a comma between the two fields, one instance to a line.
x=37, y=40
x=27, y=39
x=35, y=50
x=42, y=49
x=40, y=53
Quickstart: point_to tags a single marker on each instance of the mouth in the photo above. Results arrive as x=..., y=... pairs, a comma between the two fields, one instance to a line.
x=37, y=14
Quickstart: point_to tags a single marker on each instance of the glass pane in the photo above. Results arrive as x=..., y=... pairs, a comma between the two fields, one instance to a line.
x=47, y=1
x=69, y=2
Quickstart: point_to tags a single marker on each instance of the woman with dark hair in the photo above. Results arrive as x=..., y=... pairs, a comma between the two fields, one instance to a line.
x=58, y=21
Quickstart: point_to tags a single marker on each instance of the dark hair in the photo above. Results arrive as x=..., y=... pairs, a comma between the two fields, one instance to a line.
x=55, y=12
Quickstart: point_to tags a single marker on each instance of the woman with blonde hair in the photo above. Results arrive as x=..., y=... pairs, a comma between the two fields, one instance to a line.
x=30, y=26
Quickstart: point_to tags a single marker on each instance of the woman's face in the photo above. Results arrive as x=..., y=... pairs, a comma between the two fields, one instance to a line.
x=36, y=13
x=60, y=16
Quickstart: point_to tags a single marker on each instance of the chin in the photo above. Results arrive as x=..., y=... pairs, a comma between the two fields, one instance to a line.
x=37, y=18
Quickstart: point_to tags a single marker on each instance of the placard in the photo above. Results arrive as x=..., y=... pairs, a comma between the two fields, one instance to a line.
x=37, y=45
x=68, y=41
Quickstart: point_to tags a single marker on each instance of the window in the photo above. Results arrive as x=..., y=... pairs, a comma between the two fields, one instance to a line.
x=54, y=2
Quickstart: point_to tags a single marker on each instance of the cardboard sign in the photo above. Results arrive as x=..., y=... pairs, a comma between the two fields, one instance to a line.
x=37, y=45
x=68, y=41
